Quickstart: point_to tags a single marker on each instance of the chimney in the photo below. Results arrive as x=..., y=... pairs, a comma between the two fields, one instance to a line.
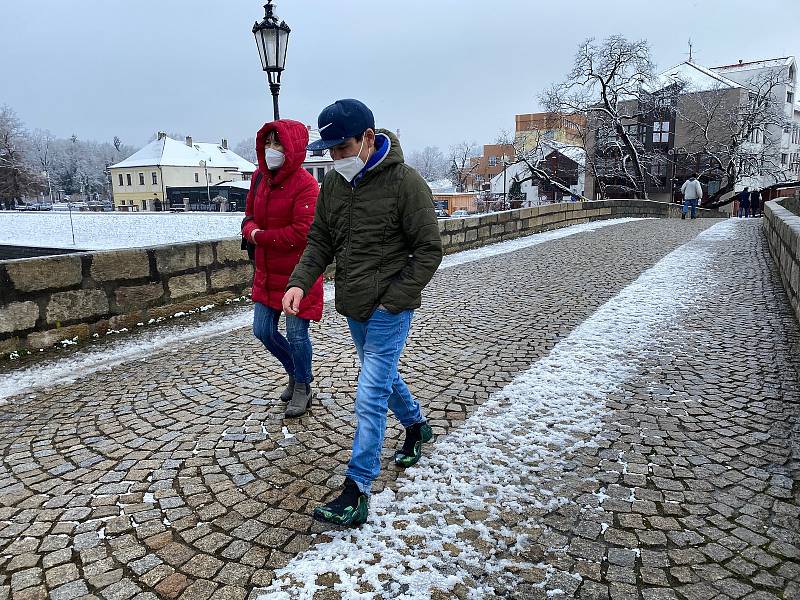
x=161, y=135
x=189, y=140
x=224, y=144
x=740, y=61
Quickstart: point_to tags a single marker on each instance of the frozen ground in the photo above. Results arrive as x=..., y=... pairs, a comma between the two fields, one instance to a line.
x=97, y=231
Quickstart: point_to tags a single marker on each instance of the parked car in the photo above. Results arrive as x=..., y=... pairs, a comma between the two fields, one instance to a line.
x=442, y=214
x=460, y=214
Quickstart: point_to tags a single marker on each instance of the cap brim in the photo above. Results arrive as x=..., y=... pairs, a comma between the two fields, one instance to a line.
x=324, y=144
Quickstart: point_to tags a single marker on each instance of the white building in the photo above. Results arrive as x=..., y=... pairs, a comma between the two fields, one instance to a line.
x=319, y=162
x=140, y=181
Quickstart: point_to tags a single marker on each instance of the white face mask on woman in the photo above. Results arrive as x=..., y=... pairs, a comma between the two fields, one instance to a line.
x=273, y=158
x=351, y=166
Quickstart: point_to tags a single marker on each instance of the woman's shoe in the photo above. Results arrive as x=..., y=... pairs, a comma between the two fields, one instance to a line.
x=300, y=400
x=286, y=394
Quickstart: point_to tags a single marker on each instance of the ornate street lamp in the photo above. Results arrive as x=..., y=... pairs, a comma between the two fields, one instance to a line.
x=271, y=40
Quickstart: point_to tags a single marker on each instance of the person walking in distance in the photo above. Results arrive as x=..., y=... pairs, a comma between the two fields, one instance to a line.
x=755, y=203
x=692, y=192
x=280, y=209
x=375, y=216
x=744, y=203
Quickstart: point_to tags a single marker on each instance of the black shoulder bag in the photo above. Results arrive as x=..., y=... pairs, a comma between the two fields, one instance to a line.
x=247, y=244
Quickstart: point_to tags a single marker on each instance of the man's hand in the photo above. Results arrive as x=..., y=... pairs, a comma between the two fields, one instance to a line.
x=291, y=301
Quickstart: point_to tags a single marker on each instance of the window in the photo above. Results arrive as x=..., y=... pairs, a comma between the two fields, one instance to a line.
x=784, y=159
x=155, y=177
x=317, y=153
x=141, y=178
x=219, y=177
x=197, y=177
x=128, y=178
x=790, y=97
x=310, y=171
x=661, y=132
x=120, y=180
x=492, y=161
x=320, y=174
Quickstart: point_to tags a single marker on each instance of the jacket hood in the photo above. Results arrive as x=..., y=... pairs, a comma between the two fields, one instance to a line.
x=293, y=136
x=395, y=154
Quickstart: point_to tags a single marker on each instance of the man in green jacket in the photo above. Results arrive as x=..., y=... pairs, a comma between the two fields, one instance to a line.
x=375, y=216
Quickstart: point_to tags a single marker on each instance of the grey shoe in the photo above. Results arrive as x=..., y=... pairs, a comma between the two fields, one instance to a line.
x=286, y=394
x=301, y=400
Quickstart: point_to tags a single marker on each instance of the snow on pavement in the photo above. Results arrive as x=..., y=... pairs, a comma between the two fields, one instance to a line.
x=432, y=534
x=93, y=359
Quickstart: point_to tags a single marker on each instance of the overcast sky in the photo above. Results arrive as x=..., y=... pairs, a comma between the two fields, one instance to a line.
x=440, y=71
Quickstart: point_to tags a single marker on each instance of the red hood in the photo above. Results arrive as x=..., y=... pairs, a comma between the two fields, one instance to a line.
x=293, y=136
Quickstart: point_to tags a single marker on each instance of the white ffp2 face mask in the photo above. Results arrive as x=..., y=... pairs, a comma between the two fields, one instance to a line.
x=273, y=158
x=351, y=166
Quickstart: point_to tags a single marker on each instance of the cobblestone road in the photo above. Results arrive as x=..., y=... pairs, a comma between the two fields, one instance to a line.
x=176, y=476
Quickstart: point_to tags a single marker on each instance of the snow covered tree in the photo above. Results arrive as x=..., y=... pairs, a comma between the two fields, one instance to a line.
x=247, y=149
x=17, y=179
x=607, y=85
x=430, y=162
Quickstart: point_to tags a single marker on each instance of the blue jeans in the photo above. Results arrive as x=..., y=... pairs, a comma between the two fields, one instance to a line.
x=294, y=353
x=744, y=208
x=692, y=204
x=379, y=343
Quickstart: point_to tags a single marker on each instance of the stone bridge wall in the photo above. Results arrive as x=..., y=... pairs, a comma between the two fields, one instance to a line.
x=49, y=299
x=782, y=228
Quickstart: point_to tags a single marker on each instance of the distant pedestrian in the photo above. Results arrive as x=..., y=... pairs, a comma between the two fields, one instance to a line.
x=280, y=209
x=692, y=192
x=375, y=217
x=755, y=203
x=744, y=203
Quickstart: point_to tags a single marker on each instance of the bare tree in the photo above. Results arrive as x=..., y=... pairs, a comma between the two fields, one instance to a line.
x=461, y=165
x=41, y=155
x=430, y=162
x=734, y=134
x=17, y=179
x=607, y=85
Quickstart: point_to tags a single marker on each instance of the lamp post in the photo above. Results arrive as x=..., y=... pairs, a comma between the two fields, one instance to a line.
x=205, y=174
x=271, y=40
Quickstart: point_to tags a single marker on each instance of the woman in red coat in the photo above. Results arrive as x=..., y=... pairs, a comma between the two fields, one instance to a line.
x=280, y=209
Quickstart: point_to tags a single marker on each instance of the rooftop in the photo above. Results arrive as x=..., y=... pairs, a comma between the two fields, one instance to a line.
x=696, y=77
x=166, y=152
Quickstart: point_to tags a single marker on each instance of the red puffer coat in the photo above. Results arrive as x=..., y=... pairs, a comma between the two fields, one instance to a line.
x=283, y=208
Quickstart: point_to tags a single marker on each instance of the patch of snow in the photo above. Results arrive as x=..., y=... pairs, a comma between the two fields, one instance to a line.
x=286, y=434
x=492, y=462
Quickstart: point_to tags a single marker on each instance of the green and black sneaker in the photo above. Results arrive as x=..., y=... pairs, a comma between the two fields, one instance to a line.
x=348, y=510
x=411, y=451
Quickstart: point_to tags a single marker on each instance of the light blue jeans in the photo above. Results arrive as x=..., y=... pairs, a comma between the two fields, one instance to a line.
x=379, y=343
x=293, y=351
x=690, y=204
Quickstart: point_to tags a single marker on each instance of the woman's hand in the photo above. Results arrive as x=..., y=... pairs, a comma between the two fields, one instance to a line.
x=291, y=300
x=253, y=235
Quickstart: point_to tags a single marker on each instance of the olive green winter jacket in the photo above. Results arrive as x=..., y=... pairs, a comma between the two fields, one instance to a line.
x=383, y=233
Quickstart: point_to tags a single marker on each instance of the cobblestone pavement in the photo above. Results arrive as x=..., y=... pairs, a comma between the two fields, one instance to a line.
x=176, y=476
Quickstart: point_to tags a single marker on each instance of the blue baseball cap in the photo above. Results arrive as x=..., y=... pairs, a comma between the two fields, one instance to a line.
x=341, y=120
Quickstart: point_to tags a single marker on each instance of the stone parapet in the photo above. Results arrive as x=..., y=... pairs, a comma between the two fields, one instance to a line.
x=782, y=228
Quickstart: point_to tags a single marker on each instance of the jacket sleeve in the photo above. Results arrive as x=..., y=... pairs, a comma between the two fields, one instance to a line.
x=248, y=226
x=318, y=253
x=683, y=187
x=293, y=235
x=421, y=229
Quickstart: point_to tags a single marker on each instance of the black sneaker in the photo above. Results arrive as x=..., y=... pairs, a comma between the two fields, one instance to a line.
x=349, y=509
x=411, y=451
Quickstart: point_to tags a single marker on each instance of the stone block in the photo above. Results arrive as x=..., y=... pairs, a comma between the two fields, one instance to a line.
x=230, y=251
x=138, y=296
x=177, y=258
x=9, y=345
x=454, y=224
x=497, y=230
x=471, y=235
x=458, y=238
x=18, y=316
x=120, y=264
x=186, y=285
x=231, y=277
x=205, y=254
x=32, y=274
x=76, y=304
x=45, y=339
